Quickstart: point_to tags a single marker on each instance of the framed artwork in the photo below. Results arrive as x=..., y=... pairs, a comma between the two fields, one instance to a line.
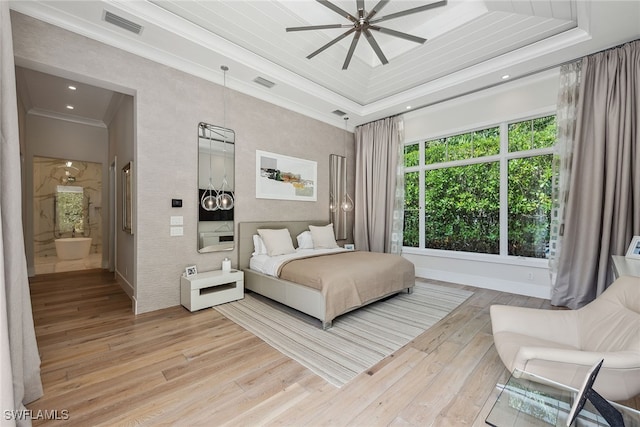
x=190, y=271
x=634, y=248
x=285, y=178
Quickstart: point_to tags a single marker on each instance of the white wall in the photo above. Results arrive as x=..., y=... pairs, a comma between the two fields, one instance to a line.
x=509, y=101
x=121, y=151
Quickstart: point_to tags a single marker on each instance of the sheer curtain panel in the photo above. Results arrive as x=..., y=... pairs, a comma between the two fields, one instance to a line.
x=568, y=95
x=15, y=308
x=602, y=211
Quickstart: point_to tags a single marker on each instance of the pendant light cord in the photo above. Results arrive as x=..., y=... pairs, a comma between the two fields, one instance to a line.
x=225, y=200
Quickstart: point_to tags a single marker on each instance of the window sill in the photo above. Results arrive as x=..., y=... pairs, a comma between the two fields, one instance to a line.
x=470, y=256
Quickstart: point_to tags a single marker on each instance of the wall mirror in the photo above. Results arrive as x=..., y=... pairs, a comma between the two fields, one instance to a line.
x=337, y=192
x=216, y=195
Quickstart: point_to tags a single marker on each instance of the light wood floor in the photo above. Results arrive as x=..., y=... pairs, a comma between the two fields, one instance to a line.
x=102, y=365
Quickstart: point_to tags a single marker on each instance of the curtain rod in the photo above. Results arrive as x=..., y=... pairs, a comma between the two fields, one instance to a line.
x=377, y=120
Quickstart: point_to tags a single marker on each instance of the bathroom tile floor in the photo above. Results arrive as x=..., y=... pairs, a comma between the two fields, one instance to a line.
x=52, y=264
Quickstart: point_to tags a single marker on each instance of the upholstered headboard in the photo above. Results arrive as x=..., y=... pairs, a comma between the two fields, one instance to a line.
x=246, y=230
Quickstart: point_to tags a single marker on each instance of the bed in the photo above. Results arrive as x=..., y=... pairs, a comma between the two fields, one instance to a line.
x=356, y=270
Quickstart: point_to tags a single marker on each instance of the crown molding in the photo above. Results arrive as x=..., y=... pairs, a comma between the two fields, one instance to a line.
x=67, y=118
x=293, y=91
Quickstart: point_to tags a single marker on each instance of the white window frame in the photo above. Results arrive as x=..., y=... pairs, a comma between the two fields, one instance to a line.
x=503, y=158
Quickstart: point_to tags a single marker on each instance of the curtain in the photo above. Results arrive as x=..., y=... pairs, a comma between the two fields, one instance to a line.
x=602, y=210
x=379, y=192
x=16, y=306
x=568, y=95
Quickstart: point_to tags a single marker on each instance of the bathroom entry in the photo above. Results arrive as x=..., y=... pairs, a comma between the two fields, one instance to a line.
x=69, y=210
x=67, y=214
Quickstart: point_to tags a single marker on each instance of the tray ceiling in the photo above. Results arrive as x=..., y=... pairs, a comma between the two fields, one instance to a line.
x=470, y=45
x=461, y=34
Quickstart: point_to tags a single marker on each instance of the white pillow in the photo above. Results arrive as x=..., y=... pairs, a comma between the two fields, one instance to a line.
x=278, y=242
x=258, y=246
x=323, y=237
x=305, y=240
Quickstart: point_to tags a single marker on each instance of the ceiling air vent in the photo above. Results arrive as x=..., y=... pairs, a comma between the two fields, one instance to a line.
x=121, y=22
x=264, y=82
x=339, y=113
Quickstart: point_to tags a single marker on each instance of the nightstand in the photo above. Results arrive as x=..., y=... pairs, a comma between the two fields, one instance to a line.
x=623, y=266
x=211, y=288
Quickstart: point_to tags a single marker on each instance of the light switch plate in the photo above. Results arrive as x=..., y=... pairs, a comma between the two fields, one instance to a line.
x=176, y=231
x=177, y=220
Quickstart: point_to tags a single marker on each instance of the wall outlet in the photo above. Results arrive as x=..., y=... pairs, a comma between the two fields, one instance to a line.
x=176, y=231
x=530, y=276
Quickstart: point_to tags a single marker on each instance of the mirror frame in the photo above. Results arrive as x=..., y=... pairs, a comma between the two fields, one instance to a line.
x=221, y=135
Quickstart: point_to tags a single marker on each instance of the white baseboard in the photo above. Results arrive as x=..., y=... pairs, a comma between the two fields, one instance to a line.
x=520, y=288
x=128, y=289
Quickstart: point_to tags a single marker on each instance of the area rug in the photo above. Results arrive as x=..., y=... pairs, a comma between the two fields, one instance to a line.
x=357, y=341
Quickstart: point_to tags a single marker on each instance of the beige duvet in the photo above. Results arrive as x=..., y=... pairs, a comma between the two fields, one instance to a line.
x=350, y=279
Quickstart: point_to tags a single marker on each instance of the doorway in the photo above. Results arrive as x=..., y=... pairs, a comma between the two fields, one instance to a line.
x=67, y=216
x=69, y=142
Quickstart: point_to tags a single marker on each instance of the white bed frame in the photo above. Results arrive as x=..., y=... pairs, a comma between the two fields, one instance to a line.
x=302, y=298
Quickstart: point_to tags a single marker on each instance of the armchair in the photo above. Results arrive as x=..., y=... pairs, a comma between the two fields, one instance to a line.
x=562, y=345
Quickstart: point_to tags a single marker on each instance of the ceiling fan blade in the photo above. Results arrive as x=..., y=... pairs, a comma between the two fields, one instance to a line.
x=331, y=43
x=398, y=34
x=409, y=11
x=338, y=10
x=377, y=8
x=318, y=27
x=375, y=47
x=352, y=48
x=360, y=7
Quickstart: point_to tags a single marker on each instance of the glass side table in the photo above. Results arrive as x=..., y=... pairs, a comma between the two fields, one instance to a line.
x=529, y=400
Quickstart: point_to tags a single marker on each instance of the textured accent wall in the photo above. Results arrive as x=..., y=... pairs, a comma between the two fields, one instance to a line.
x=168, y=106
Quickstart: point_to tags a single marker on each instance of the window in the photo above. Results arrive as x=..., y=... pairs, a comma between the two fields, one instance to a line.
x=486, y=191
x=69, y=209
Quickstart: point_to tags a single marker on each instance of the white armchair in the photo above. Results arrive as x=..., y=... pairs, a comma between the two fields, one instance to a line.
x=562, y=345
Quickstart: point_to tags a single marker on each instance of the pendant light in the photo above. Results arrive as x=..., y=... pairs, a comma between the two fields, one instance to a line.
x=224, y=199
x=208, y=200
x=347, y=203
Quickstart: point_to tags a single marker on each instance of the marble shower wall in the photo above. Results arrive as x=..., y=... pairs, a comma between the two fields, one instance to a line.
x=48, y=173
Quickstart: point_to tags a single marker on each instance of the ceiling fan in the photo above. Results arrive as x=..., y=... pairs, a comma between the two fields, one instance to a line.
x=363, y=22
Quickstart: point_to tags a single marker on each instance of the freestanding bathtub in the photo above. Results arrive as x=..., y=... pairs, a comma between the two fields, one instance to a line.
x=73, y=248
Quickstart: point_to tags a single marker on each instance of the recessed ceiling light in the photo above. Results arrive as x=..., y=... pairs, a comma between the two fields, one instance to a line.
x=505, y=77
x=72, y=87
x=408, y=107
x=69, y=107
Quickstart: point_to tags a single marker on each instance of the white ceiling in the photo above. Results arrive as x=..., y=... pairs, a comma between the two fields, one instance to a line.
x=51, y=96
x=470, y=45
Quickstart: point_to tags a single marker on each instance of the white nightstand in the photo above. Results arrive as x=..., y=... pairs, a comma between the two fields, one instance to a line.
x=623, y=266
x=211, y=288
